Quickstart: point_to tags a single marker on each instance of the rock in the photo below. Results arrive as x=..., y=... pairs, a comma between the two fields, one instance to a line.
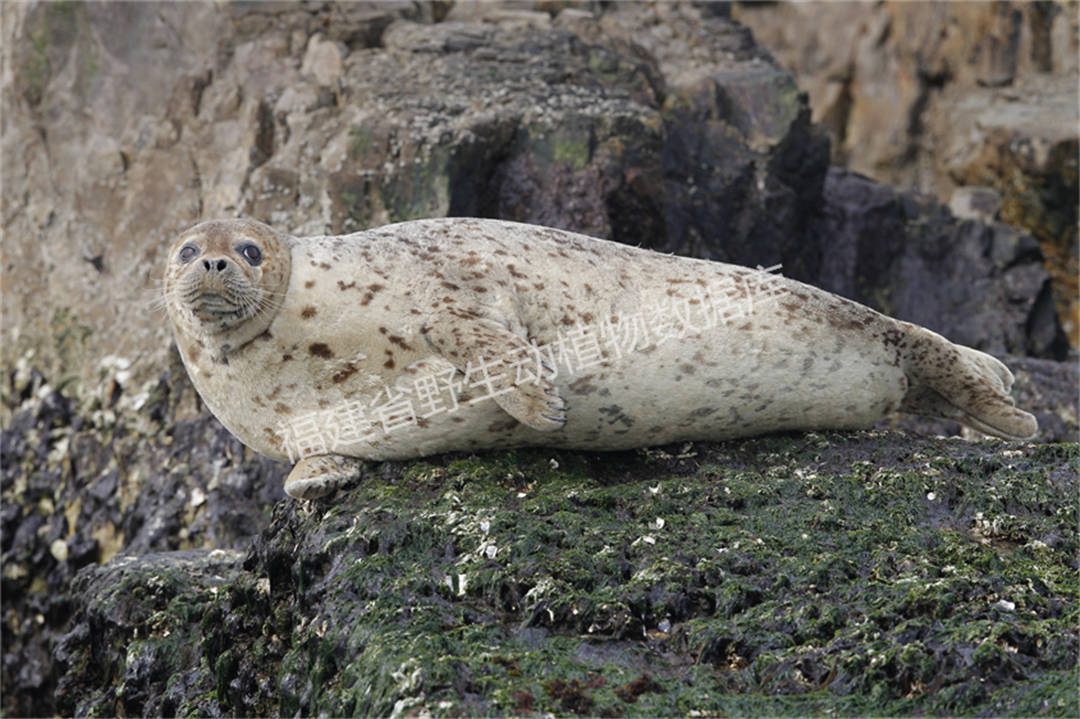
x=322, y=61
x=78, y=489
x=127, y=124
x=932, y=96
x=1023, y=142
x=748, y=572
x=136, y=596
x=878, y=73
x=557, y=145
x=979, y=285
x=1048, y=389
x=975, y=203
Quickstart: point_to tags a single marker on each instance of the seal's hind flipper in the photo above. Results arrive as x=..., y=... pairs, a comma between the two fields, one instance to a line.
x=962, y=384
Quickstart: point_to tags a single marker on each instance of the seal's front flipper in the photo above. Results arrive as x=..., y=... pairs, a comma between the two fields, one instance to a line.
x=962, y=384
x=496, y=362
x=315, y=476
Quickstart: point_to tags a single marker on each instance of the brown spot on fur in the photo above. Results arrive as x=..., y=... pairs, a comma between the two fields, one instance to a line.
x=582, y=385
x=286, y=357
x=389, y=364
x=399, y=341
x=320, y=350
x=348, y=371
x=282, y=408
x=342, y=286
x=308, y=312
x=515, y=273
x=324, y=265
x=372, y=290
x=309, y=284
x=450, y=286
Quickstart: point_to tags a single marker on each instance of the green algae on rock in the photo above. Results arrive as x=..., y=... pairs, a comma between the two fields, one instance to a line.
x=862, y=573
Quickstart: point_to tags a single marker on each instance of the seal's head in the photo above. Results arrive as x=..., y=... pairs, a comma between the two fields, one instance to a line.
x=225, y=281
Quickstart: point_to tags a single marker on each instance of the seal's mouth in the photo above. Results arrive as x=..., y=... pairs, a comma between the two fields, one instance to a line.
x=214, y=306
x=219, y=301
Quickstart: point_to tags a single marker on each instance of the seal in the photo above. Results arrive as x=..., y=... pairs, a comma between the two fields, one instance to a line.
x=465, y=334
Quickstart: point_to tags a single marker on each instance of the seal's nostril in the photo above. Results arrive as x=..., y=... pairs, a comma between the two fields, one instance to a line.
x=221, y=265
x=211, y=265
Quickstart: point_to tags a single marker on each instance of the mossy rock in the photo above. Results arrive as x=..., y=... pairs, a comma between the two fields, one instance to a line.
x=861, y=573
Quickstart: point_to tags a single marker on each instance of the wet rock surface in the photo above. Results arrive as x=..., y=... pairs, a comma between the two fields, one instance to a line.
x=81, y=485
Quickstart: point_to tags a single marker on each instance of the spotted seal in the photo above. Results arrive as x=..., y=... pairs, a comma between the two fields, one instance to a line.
x=465, y=334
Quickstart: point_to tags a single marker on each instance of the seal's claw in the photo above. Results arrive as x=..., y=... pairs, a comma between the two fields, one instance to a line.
x=539, y=405
x=315, y=476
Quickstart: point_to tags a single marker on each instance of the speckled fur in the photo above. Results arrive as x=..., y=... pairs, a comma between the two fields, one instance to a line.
x=342, y=318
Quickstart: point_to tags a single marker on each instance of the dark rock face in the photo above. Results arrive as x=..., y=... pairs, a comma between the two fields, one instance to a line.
x=979, y=285
x=949, y=100
x=570, y=140
x=79, y=488
x=744, y=174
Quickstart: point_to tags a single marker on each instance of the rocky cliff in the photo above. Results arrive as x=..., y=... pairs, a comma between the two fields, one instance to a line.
x=150, y=564
x=950, y=99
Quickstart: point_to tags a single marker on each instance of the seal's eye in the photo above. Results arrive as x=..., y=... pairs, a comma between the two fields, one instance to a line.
x=251, y=253
x=188, y=252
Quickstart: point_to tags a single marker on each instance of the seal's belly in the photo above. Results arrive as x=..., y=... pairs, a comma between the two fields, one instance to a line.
x=731, y=381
